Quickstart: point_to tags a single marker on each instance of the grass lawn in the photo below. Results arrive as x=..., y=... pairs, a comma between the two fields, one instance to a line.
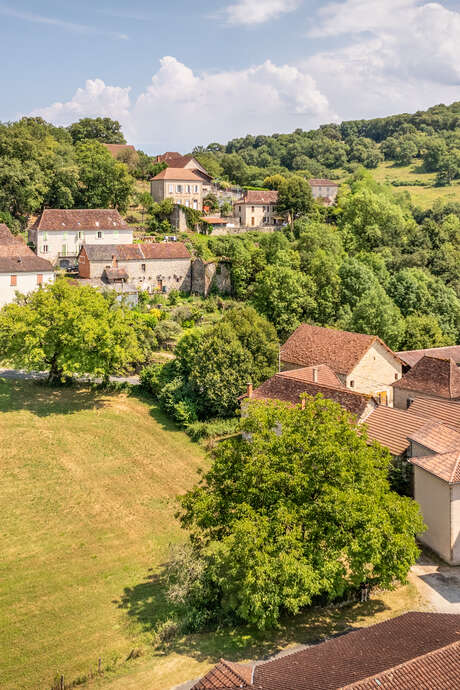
x=87, y=513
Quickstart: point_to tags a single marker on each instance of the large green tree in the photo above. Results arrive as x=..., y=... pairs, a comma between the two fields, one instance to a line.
x=295, y=198
x=301, y=509
x=68, y=330
x=104, y=181
x=103, y=129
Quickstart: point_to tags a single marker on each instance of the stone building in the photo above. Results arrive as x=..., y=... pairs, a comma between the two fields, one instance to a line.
x=181, y=185
x=257, y=209
x=58, y=234
x=430, y=377
x=153, y=267
x=173, y=159
x=211, y=274
x=324, y=191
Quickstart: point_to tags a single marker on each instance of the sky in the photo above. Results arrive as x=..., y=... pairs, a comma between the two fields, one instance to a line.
x=184, y=73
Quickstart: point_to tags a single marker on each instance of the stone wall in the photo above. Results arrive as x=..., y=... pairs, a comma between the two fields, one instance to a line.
x=209, y=274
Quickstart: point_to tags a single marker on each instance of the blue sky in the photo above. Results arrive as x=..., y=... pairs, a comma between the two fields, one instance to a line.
x=186, y=72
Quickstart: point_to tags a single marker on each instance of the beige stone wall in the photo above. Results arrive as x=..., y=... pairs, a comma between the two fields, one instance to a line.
x=255, y=215
x=433, y=496
x=173, y=274
x=375, y=373
x=183, y=193
x=419, y=451
x=403, y=395
x=455, y=522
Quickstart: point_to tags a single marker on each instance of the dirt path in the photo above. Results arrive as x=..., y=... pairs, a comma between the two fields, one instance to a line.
x=438, y=584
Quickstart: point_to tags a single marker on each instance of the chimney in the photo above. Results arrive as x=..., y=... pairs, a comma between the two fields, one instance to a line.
x=114, y=261
x=315, y=374
x=249, y=390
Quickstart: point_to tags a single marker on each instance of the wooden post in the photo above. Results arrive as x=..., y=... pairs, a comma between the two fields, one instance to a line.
x=62, y=683
x=99, y=665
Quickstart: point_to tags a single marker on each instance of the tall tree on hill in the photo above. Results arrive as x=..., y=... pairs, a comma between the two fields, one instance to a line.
x=104, y=181
x=295, y=198
x=103, y=129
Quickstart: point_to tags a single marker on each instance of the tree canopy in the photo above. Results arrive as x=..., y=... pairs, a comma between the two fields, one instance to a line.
x=103, y=129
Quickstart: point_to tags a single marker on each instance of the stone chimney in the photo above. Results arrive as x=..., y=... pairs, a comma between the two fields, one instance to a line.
x=315, y=374
x=114, y=261
x=250, y=389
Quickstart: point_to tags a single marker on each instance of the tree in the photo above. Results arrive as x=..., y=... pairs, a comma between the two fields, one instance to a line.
x=104, y=181
x=103, y=129
x=68, y=330
x=211, y=201
x=284, y=296
x=295, y=198
x=274, y=181
x=302, y=509
x=377, y=314
x=423, y=331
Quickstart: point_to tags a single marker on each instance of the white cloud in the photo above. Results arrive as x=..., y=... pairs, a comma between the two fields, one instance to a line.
x=180, y=108
x=258, y=11
x=61, y=24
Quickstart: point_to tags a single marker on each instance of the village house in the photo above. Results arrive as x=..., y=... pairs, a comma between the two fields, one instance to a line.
x=411, y=357
x=324, y=191
x=59, y=234
x=123, y=152
x=430, y=377
x=161, y=266
x=363, y=363
x=181, y=185
x=20, y=269
x=173, y=159
x=416, y=650
x=257, y=209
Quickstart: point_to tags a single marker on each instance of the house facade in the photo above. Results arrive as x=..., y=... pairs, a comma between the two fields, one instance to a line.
x=59, y=234
x=362, y=362
x=153, y=267
x=20, y=269
x=257, y=209
x=324, y=191
x=181, y=185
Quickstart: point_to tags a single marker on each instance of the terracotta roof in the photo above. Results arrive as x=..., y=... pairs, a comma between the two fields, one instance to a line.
x=79, y=219
x=178, y=175
x=116, y=149
x=440, y=377
x=354, y=657
x=447, y=411
x=325, y=375
x=438, y=670
x=17, y=257
x=411, y=357
x=226, y=675
x=391, y=427
x=318, y=182
x=214, y=220
x=115, y=274
x=340, y=350
x=137, y=252
x=443, y=465
x=252, y=196
x=165, y=250
x=7, y=237
x=436, y=436
x=287, y=389
x=169, y=155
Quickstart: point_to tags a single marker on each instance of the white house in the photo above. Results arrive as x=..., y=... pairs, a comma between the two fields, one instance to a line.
x=20, y=269
x=59, y=234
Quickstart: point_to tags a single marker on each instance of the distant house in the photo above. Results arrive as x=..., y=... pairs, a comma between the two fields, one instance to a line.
x=363, y=363
x=324, y=191
x=181, y=185
x=415, y=650
x=157, y=266
x=20, y=269
x=289, y=386
x=173, y=159
x=411, y=357
x=59, y=234
x=430, y=377
x=256, y=209
x=124, y=152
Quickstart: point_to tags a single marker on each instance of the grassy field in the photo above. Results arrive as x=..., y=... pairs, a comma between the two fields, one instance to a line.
x=87, y=506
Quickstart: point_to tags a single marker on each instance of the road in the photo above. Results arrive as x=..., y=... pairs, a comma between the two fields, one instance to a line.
x=439, y=584
x=40, y=375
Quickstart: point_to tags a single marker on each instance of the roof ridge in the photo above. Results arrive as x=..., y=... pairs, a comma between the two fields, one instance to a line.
x=230, y=665
x=322, y=385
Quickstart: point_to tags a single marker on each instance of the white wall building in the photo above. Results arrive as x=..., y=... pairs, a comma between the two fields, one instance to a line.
x=59, y=234
x=20, y=269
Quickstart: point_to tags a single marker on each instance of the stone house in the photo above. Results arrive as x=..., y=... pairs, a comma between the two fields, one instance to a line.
x=211, y=274
x=324, y=191
x=363, y=363
x=411, y=357
x=430, y=377
x=257, y=209
x=59, y=234
x=173, y=159
x=181, y=185
x=20, y=269
x=161, y=266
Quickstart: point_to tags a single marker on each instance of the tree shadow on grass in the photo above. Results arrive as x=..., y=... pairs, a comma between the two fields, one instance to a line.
x=147, y=604
x=43, y=400
x=167, y=423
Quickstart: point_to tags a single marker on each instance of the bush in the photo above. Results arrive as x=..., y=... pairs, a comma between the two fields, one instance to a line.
x=167, y=330
x=213, y=428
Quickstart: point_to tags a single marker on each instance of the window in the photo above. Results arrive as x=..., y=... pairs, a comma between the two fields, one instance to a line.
x=178, y=188
x=65, y=235
x=195, y=204
x=81, y=235
x=252, y=209
x=45, y=236
x=64, y=250
x=396, y=377
x=171, y=189
x=143, y=267
x=197, y=189
x=14, y=281
x=187, y=203
x=39, y=278
x=45, y=249
x=99, y=235
x=352, y=384
x=116, y=233
x=188, y=189
x=409, y=402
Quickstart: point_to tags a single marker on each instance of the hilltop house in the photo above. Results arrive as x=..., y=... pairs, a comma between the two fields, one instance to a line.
x=257, y=208
x=363, y=363
x=173, y=159
x=415, y=650
x=59, y=234
x=156, y=266
x=181, y=185
x=124, y=152
x=324, y=191
x=430, y=377
x=20, y=269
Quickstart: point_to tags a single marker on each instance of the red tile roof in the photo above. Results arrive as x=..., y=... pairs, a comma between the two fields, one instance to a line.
x=443, y=465
x=79, y=219
x=391, y=427
x=116, y=149
x=356, y=656
x=178, y=175
x=447, y=411
x=168, y=156
x=252, y=196
x=340, y=350
x=317, y=182
x=411, y=357
x=440, y=377
x=7, y=237
x=436, y=436
x=165, y=250
x=287, y=389
x=324, y=375
x=226, y=675
x=17, y=257
x=133, y=252
x=438, y=670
